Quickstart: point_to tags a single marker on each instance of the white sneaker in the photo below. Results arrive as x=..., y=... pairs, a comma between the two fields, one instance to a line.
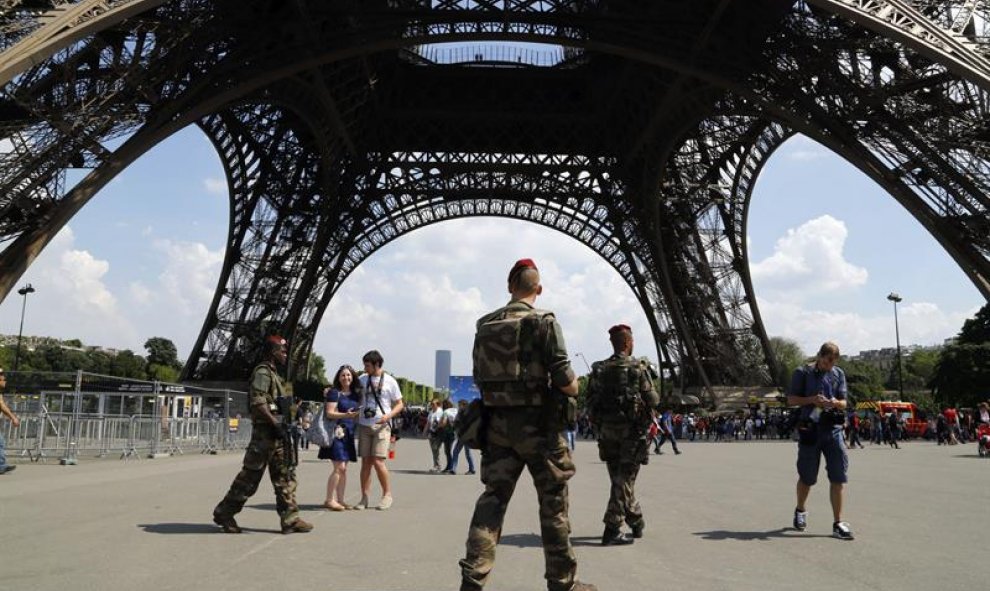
x=385, y=503
x=841, y=530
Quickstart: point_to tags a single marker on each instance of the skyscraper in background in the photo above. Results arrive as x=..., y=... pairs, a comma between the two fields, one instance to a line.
x=442, y=374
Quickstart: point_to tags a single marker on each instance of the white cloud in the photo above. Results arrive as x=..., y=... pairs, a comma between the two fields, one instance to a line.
x=810, y=259
x=71, y=299
x=921, y=323
x=426, y=290
x=190, y=276
x=215, y=186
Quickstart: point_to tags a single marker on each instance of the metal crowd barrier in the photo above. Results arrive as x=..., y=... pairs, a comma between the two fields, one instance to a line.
x=85, y=424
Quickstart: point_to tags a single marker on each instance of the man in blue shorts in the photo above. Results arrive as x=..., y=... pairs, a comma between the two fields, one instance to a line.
x=820, y=390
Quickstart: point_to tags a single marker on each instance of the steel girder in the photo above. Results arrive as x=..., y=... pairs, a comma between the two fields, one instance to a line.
x=897, y=88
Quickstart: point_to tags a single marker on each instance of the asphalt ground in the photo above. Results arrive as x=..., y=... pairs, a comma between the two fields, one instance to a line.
x=718, y=517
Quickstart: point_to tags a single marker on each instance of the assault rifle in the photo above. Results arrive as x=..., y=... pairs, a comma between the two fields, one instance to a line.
x=290, y=453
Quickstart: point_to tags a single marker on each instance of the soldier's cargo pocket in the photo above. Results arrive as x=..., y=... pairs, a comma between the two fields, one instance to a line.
x=256, y=455
x=559, y=464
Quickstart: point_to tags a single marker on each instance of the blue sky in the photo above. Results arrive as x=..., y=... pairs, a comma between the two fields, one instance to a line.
x=826, y=244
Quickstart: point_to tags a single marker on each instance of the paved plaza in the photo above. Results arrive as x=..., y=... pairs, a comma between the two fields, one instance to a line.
x=718, y=518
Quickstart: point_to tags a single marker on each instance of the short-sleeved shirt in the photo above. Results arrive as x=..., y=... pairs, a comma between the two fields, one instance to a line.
x=266, y=386
x=388, y=396
x=807, y=380
x=433, y=420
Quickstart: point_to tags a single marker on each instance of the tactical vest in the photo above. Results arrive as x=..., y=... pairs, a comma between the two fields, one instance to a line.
x=275, y=391
x=617, y=389
x=509, y=364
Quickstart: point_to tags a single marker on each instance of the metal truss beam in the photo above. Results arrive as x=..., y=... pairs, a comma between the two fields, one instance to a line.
x=644, y=142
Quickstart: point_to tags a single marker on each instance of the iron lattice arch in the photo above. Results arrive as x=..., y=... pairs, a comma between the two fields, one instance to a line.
x=638, y=128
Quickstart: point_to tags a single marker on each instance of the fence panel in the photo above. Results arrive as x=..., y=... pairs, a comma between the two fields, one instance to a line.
x=72, y=415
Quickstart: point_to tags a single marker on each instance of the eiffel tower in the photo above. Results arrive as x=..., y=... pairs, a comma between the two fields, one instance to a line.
x=639, y=128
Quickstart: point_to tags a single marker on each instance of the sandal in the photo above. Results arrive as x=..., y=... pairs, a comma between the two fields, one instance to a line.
x=334, y=506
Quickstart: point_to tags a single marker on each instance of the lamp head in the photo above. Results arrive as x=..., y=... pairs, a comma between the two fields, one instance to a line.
x=894, y=297
x=25, y=290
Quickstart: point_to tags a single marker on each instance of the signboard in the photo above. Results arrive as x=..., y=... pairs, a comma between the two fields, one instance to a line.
x=463, y=388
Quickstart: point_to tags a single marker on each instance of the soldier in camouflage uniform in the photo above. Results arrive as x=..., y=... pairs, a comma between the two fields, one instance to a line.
x=519, y=354
x=621, y=398
x=265, y=449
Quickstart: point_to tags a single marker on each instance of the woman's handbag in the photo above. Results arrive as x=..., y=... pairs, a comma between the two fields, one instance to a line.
x=318, y=430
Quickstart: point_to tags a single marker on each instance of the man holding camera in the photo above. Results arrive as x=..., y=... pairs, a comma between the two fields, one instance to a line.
x=519, y=354
x=381, y=401
x=265, y=449
x=820, y=390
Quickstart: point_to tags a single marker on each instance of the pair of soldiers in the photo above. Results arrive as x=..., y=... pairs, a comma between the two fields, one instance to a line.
x=519, y=356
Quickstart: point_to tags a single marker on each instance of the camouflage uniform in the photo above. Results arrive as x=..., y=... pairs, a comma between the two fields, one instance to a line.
x=622, y=443
x=518, y=435
x=265, y=449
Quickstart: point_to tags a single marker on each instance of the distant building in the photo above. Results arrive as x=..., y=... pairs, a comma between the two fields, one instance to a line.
x=442, y=373
x=885, y=359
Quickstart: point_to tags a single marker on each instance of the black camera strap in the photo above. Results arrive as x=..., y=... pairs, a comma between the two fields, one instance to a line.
x=377, y=392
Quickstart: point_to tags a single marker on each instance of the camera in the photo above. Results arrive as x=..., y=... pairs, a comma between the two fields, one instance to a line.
x=369, y=413
x=833, y=417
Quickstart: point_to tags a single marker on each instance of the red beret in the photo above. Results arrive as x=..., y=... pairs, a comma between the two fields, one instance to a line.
x=619, y=328
x=276, y=340
x=520, y=265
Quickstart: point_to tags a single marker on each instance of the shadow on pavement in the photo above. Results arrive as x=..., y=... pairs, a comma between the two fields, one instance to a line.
x=194, y=528
x=586, y=540
x=302, y=507
x=529, y=540
x=422, y=472
x=784, y=532
x=532, y=540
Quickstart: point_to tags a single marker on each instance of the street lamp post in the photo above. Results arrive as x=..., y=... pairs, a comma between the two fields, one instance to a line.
x=893, y=297
x=24, y=291
x=581, y=355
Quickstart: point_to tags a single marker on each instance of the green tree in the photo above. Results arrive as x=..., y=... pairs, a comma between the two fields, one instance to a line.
x=789, y=357
x=864, y=380
x=919, y=369
x=962, y=374
x=99, y=362
x=976, y=330
x=162, y=373
x=127, y=364
x=317, y=369
x=162, y=351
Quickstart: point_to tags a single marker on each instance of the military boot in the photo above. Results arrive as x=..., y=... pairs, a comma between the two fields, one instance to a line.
x=579, y=586
x=297, y=526
x=637, y=529
x=227, y=524
x=614, y=537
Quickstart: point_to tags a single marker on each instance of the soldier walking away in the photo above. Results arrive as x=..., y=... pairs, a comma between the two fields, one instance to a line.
x=16, y=422
x=271, y=445
x=519, y=354
x=621, y=398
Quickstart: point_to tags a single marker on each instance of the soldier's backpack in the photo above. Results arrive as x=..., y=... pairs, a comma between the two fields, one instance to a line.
x=508, y=368
x=617, y=394
x=318, y=432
